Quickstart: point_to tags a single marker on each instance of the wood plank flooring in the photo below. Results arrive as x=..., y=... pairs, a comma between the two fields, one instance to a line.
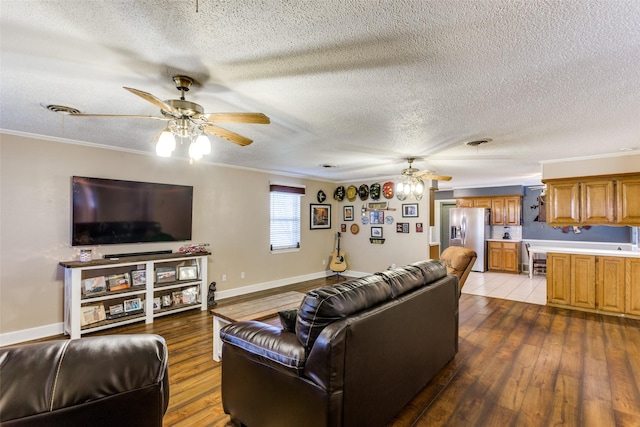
x=518, y=364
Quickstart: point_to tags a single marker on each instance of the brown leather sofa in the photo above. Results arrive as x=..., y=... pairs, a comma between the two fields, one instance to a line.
x=361, y=350
x=116, y=380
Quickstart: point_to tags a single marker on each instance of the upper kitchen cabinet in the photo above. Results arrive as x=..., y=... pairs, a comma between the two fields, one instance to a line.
x=611, y=200
x=563, y=203
x=505, y=210
x=474, y=202
x=597, y=205
x=628, y=201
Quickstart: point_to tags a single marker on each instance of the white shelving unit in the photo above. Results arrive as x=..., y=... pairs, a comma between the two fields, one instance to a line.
x=169, y=291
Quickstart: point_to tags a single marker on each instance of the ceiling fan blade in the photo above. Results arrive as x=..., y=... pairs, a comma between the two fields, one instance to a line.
x=256, y=118
x=429, y=175
x=120, y=116
x=228, y=135
x=155, y=101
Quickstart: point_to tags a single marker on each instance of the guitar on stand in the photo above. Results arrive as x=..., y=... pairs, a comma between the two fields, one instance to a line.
x=338, y=262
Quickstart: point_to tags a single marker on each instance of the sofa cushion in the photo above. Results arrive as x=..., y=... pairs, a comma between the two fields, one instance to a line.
x=288, y=319
x=327, y=304
x=403, y=279
x=432, y=269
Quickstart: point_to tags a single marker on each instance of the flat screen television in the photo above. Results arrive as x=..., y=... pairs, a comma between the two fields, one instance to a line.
x=110, y=211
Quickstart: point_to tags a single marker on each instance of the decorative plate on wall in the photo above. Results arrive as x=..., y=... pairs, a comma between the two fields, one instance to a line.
x=374, y=191
x=339, y=194
x=355, y=228
x=363, y=192
x=389, y=219
x=387, y=190
x=352, y=192
x=321, y=196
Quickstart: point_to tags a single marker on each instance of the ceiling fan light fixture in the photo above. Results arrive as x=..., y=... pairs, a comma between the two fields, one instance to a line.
x=409, y=185
x=166, y=143
x=195, y=151
x=204, y=144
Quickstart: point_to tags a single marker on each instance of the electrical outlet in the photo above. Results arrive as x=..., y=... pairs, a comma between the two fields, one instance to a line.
x=324, y=262
x=224, y=277
x=242, y=275
x=393, y=266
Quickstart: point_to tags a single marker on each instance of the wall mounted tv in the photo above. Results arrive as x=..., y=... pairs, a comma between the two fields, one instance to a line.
x=109, y=211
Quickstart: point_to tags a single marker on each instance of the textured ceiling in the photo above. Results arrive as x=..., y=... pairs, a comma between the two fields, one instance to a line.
x=360, y=84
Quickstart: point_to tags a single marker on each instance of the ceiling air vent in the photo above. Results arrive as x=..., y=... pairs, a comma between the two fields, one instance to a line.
x=61, y=109
x=478, y=142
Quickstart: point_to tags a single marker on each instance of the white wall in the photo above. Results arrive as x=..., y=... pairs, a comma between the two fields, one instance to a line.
x=613, y=164
x=398, y=248
x=231, y=213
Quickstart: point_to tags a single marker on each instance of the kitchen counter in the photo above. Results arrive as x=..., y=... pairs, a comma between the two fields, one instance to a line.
x=578, y=251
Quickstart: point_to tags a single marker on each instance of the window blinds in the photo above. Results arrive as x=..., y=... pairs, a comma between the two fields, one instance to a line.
x=285, y=217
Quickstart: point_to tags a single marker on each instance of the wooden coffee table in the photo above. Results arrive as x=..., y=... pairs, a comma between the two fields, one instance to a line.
x=257, y=309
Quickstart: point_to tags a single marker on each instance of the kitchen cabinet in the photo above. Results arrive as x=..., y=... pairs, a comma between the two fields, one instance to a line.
x=583, y=279
x=474, y=202
x=504, y=256
x=505, y=210
x=596, y=283
x=628, y=201
x=559, y=279
x=632, y=286
x=611, y=284
x=563, y=203
x=611, y=200
x=597, y=202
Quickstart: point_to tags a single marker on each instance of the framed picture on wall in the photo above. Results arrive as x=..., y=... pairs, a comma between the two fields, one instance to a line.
x=320, y=216
x=376, y=232
x=402, y=227
x=347, y=213
x=410, y=210
x=376, y=217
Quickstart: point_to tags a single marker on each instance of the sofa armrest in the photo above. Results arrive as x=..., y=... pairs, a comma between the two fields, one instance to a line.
x=41, y=379
x=266, y=344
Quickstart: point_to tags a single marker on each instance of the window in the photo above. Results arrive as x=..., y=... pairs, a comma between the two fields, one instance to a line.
x=284, y=227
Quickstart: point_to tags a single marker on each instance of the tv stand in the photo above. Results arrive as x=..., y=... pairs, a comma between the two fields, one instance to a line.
x=162, y=252
x=105, y=293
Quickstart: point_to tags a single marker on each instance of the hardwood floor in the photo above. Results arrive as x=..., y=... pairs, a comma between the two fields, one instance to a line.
x=518, y=364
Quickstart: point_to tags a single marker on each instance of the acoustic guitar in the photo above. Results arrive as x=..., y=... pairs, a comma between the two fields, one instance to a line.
x=338, y=263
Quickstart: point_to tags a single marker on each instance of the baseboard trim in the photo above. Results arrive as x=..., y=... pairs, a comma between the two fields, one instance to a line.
x=264, y=286
x=31, y=334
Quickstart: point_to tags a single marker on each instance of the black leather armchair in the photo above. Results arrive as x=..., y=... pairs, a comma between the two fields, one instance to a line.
x=97, y=381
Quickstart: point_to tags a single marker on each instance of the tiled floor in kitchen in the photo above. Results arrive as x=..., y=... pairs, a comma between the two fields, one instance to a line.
x=517, y=287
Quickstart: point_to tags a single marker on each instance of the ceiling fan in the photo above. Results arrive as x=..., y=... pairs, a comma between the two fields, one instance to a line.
x=410, y=184
x=187, y=120
x=426, y=174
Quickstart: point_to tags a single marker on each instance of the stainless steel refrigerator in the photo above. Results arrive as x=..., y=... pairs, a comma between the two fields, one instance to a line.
x=470, y=227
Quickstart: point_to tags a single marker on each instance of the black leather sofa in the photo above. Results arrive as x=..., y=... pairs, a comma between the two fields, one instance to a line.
x=361, y=350
x=116, y=380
